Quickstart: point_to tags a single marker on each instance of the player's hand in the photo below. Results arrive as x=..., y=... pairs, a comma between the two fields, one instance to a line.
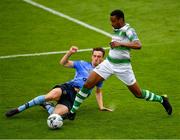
x=114, y=44
x=73, y=49
x=106, y=109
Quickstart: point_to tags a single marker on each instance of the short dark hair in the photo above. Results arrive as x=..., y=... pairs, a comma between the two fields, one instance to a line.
x=99, y=49
x=118, y=13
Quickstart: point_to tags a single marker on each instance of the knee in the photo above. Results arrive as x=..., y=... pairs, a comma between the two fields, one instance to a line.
x=53, y=95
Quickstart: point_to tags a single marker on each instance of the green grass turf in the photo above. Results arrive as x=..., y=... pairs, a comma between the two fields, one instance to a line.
x=27, y=29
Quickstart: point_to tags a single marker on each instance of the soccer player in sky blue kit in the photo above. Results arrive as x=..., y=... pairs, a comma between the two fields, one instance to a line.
x=118, y=63
x=65, y=93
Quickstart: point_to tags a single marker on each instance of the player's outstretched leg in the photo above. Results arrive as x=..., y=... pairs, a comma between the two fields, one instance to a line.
x=36, y=101
x=80, y=97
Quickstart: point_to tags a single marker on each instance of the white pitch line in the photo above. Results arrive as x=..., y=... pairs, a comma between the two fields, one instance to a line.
x=43, y=53
x=68, y=17
x=63, y=16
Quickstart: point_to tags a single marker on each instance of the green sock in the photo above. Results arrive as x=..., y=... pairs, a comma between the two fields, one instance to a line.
x=149, y=96
x=80, y=97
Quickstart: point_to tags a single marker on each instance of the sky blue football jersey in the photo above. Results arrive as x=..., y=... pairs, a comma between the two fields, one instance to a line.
x=83, y=70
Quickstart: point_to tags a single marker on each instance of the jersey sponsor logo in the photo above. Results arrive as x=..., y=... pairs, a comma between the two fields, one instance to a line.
x=84, y=79
x=117, y=38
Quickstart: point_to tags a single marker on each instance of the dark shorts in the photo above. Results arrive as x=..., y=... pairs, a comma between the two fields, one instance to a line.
x=68, y=95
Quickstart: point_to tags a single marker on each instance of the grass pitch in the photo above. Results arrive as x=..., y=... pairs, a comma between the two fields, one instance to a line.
x=27, y=29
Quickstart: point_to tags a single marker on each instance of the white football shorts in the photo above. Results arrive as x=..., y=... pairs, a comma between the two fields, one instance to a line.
x=123, y=71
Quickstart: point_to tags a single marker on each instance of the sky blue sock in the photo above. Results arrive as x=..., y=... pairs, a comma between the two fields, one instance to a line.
x=49, y=108
x=36, y=101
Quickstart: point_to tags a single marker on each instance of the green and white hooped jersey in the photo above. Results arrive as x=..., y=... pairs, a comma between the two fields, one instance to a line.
x=122, y=54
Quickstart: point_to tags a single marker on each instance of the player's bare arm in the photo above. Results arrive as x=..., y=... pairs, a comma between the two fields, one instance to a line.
x=65, y=59
x=99, y=98
x=133, y=45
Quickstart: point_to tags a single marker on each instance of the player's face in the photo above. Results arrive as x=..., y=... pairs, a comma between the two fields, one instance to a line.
x=115, y=22
x=97, y=58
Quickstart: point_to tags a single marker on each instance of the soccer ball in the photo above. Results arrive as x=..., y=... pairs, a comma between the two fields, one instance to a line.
x=55, y=121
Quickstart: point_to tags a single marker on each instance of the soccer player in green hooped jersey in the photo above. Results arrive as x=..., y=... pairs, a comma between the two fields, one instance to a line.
x=118, y=63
